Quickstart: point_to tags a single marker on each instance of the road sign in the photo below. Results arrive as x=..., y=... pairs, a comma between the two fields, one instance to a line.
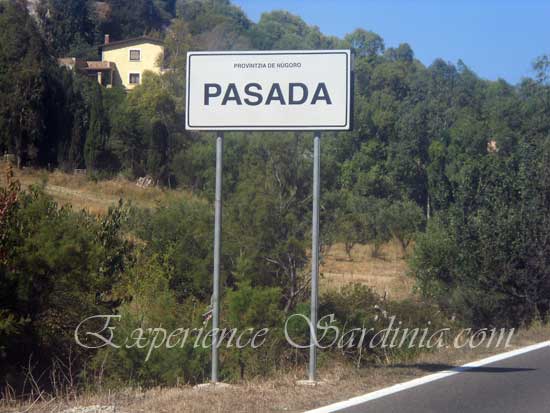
x=269, y=90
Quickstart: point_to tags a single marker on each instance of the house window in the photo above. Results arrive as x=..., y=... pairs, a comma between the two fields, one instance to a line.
x=134, y=78
x=135, y=55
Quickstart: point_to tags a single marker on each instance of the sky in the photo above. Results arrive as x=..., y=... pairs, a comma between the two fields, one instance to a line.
x=496, y=39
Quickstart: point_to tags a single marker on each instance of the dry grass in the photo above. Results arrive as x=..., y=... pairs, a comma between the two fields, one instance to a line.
x=280, y=392
x=385, y=274
x=94, y=197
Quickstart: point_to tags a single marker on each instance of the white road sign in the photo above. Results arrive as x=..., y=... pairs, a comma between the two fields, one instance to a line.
x=269, y=90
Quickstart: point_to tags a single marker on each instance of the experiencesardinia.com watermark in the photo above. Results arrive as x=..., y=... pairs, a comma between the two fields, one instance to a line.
x=330, y=335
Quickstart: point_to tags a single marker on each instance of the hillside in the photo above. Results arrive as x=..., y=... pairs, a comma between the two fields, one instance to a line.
x=385, y=273
x=94, y=196
x=442, y=166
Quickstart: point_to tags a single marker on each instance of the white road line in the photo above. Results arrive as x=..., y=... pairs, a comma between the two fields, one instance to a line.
x=423, y=380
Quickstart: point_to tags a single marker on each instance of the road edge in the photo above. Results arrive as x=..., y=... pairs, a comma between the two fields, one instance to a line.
x=335, y=407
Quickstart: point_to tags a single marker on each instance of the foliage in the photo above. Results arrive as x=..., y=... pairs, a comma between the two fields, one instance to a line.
x=365, y=221
x=439, y=159
x=486, y=256
x=150, y=303
x=23, y=82
x=59, y=266
x=254, y=308
x=268, y=218
x=180, y=234
x=403, y=220
x=96, y=135
x=67, y=25
x=363, y=319
x=365, y=43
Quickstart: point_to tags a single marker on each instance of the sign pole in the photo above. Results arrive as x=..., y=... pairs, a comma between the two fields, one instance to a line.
x=299, y=90
x=315, y=255
x=217, y=254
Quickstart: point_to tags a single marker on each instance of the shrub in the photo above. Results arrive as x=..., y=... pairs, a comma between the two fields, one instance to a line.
x=58, y=267
x=254, y=308
x=151, y=304
x=181, y=233
x=362, y=317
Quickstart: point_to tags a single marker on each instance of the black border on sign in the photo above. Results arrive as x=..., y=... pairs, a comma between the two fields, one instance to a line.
x=349, y=95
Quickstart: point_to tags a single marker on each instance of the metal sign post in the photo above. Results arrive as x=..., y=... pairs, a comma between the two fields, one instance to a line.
x=217, y=254
x=268, y=90
x=315, y=255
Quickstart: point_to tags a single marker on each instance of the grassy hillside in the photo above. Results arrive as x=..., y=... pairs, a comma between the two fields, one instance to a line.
x=95, y=197
x=385, y=273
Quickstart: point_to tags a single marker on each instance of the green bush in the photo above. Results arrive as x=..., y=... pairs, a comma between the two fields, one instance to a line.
x=58, y=268
x=362, y=317
x=151, y=304
x=254, y=308
x=182, y=234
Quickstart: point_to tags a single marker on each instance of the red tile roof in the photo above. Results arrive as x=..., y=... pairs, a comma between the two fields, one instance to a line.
x=97, y=65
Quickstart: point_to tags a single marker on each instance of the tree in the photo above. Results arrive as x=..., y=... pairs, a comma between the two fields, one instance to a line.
x=131, y=18
x=365, y=43
x=403, y=220
x=541, y=65
x=177, y=42
x=157, y=154
x=256, y=308
x=205, y=16
x=486, y=256
x=67, y=26
x=127, y=141
x=43, y=108
x=403, y=53
x=283, y=30
x=94, y=147
x=268, y=216
x=157, y=110
x=23, y=83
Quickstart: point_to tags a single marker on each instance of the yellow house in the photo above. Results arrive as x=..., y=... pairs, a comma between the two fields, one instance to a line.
x=123, y=62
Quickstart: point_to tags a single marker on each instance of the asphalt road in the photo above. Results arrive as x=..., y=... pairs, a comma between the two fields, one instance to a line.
x=515, y=385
